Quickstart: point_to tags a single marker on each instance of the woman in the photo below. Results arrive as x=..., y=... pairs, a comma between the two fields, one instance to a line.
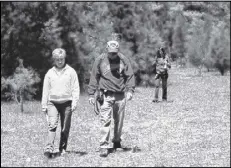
x=59, y=98
x=161, y=65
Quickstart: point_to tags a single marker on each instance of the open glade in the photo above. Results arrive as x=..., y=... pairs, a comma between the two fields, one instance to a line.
x=191, y=129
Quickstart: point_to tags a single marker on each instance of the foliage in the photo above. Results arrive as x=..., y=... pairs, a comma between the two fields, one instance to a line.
x=32, y=30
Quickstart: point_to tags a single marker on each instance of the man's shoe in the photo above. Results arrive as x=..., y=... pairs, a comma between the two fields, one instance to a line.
x=103, y=152
x=155, y=101
x=48, y=154
x=48, y=151
x=117, y=145
x=63, y=152
x=164, y=100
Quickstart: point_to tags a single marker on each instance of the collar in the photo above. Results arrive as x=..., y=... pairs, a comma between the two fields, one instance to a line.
x=63, y=69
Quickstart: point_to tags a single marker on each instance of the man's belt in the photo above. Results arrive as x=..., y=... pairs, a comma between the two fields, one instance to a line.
x=109, y=92
x=99, y=98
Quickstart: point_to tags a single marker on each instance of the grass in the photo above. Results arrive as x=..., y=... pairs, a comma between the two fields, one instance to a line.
x=193, y=130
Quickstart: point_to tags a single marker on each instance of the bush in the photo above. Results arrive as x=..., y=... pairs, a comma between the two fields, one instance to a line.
x=20, y=85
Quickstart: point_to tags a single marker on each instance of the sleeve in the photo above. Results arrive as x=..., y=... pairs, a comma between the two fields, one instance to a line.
x=94, y=77
x=75, y=87
x=168, y=62
x=154, y=62
x=45, y=93
x=130, y=77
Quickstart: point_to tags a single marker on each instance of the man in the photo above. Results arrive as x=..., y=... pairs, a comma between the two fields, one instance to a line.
x=59, y=98
x=113, y=77
x=161, y=65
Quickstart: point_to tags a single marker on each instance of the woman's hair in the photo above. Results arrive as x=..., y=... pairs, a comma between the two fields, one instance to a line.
x=161, y=49
x=158, y=54
x=59, y=52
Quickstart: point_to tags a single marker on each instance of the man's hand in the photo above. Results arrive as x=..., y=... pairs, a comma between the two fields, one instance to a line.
x=44, y=110
x=73, y=106
x=91, y=100
x=169, y=65
x=129, y=96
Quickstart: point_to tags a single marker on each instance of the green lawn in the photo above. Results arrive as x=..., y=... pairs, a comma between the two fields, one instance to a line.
x=193, y=130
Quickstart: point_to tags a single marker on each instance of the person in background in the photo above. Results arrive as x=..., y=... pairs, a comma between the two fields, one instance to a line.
x=112, y=75
x=162, y=65
x=59, y=98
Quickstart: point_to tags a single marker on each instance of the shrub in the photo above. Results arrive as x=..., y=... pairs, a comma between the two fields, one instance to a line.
x=20, y=85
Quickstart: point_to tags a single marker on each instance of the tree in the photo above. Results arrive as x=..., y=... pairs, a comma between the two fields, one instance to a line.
x=178, y=38
x=22, y=83
x=198, y=42
x=219, y=47
x=86, y=39
x=138, y=23
x=208, y=42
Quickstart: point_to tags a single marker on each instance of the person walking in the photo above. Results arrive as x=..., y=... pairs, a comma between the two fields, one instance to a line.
x=112, y=78
x=59, y=98
x=162, y=65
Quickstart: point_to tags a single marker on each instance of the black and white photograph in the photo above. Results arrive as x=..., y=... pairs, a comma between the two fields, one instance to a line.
x=115, y=84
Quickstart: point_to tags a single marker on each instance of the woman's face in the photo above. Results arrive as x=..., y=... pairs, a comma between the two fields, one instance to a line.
x=162, y=53
x=59, y=62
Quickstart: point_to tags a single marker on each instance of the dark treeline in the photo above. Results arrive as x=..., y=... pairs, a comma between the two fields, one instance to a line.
x=192, y=32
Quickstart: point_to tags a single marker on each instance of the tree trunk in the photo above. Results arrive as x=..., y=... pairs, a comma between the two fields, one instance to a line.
x=200, y=70
x=222, y=72
x=16, y=97
x=21, y=101
x=180, y=63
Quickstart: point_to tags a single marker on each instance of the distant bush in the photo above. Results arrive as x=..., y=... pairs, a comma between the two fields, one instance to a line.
x=209, y=45
x=219, y=48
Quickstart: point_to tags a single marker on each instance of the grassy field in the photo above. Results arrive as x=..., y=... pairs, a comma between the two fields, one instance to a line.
x=193, y=130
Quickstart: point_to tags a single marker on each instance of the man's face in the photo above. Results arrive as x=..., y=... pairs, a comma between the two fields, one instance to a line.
x=59, y=62
x=112, y=55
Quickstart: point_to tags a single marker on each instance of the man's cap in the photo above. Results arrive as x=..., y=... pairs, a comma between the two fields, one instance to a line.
x=112, y=46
